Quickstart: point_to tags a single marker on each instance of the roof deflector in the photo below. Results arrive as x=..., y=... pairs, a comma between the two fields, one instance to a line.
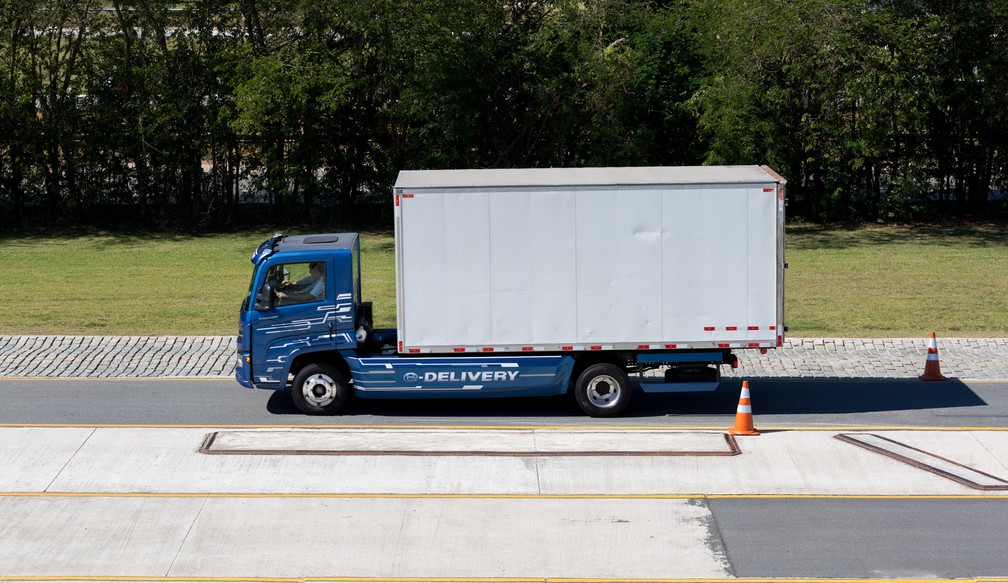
x=319, y=239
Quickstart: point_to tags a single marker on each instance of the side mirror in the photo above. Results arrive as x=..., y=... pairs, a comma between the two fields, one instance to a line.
x=264, y=297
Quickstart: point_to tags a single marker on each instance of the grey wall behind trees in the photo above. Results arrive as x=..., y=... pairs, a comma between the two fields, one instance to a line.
x=206, y=112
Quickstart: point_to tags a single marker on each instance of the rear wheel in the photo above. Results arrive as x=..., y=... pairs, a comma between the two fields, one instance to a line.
x=603, y=390
x=320, y=389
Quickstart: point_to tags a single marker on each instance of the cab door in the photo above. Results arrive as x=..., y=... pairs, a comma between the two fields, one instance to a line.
x=300, y=318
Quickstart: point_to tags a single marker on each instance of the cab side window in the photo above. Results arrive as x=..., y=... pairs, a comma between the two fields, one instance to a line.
x=298, y=283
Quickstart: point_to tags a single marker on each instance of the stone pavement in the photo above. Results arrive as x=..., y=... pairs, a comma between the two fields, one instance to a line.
x=117, y=356
x=214, y=356
x=890, y=358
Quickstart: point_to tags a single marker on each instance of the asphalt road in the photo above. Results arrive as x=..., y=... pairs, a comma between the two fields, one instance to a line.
x=863, y=538
x=776, y=403
x=766, y=537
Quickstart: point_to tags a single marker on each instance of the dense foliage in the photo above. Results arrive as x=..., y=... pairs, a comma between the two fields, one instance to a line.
x=203, y=111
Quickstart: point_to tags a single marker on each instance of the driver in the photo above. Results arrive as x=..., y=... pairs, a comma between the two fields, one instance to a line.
x=307, y=289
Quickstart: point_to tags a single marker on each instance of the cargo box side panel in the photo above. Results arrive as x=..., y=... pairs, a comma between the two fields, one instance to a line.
x=639, y=267
x=532, y=277
x=618, y=254
x=684, y=265
x=543, y=268
x=727, y=275
x=705, y=273
x=444, y=268
x=762, y=266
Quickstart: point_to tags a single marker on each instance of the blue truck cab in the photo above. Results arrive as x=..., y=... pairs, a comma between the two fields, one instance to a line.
x=323, y=349
x=279, y=331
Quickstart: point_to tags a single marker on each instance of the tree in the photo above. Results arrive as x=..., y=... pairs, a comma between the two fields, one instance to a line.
x=17, y=123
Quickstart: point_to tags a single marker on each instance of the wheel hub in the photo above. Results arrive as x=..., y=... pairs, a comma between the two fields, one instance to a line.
x=319, y=390
x=603, y=391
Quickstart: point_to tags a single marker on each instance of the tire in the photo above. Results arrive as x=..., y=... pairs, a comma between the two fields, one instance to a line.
x=320, y=389
x=603, y=390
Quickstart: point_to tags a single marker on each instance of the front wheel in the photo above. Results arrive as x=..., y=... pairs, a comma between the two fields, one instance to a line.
x=603, y=390
x=320, y=389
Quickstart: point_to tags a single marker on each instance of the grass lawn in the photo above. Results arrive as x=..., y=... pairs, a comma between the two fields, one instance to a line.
x=897, y=281
x=875, y=281
x=149, y=284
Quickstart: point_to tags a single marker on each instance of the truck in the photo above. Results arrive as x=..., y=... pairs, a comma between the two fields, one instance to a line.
x=595, y=282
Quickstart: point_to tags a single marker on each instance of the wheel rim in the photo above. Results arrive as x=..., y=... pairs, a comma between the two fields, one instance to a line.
x=319, y=390
x=603, y=391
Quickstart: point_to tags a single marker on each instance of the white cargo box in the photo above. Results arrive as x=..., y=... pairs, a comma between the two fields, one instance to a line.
x=589, y=259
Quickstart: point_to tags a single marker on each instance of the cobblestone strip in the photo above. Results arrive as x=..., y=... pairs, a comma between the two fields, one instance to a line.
x=964, y=358
x=116, y=356
x=21, y=353
x=214, y=356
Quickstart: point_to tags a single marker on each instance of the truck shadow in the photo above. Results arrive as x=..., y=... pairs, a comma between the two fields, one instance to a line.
x=777, y=396
x=532, y=407
x=770, y=396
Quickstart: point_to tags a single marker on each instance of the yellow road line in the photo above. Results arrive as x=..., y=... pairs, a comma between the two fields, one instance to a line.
x=338, y=579
x=166, y=579
x=491, y=496
x=762, y=428
x=771, y=580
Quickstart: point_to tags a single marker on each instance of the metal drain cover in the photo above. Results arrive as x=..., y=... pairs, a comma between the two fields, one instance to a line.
x=926, y=461
x=488, y=442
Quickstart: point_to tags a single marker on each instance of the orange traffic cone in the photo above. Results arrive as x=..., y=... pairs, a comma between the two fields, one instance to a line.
x=932, y=368
x=743, y=415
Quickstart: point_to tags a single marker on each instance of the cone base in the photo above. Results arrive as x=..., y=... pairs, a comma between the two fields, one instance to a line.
x=734, y=431
x=932, y=372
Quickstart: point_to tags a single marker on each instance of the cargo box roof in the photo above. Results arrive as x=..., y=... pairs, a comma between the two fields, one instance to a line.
x=531, y=177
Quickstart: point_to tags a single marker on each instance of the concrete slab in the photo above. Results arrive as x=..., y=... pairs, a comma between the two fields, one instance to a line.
x=167, y=460
x=32, y=457
x=809, y=462
x=409, y=441
x=373, y=538
x=455, y=538
x=69, y=536
x=385, y=517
